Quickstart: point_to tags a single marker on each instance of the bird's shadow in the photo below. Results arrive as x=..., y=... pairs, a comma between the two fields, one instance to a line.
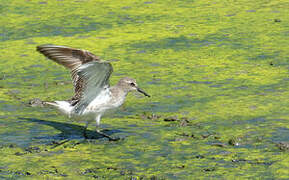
x=70, y=131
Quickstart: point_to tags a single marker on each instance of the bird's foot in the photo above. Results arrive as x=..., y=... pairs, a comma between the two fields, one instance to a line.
x=85, y=135
x=107, y=136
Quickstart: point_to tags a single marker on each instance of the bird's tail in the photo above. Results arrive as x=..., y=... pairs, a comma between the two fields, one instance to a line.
x=50, y=103
x=64, y=106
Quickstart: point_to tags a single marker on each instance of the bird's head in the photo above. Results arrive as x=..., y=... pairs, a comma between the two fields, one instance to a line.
x=129, y=84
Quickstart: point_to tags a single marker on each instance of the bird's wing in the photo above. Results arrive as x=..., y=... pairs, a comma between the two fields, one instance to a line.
x=95, y=77
x=72, y=59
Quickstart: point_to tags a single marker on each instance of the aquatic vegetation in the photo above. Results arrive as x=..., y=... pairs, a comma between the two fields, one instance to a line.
x=217, y=72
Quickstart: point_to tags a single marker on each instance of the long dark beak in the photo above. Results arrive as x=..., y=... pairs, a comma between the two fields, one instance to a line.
x=141, y=91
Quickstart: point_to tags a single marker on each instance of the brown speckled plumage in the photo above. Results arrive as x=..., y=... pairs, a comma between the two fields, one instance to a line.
x=72, y=59
x=93, y=95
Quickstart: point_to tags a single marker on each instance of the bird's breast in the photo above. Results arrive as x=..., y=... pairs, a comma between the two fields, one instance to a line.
x=105, y=101
x=99, y=102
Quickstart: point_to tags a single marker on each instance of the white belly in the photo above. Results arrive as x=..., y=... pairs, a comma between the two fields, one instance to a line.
x=103, y=102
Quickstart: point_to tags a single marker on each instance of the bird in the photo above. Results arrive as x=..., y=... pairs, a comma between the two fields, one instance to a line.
x=93, y=95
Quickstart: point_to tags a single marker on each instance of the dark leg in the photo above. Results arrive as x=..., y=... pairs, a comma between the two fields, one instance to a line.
x=107, y=136
x=97, y=119
x=84, y=131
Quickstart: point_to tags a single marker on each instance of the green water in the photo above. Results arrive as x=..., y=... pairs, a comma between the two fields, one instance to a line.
x=217, y=72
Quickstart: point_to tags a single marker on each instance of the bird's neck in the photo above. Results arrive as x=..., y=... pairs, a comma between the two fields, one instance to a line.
x=119, y=91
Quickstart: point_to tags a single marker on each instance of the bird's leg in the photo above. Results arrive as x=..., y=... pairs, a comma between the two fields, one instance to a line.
x=107, y=136
x=101, y=133
x=84, y=130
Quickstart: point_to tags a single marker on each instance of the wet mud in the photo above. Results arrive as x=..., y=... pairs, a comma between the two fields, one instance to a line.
x=217, y=73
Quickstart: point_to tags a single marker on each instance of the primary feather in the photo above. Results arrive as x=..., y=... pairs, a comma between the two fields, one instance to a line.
x=87, y=71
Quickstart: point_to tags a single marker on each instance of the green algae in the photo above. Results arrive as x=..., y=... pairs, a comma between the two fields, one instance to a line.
x=219, y=68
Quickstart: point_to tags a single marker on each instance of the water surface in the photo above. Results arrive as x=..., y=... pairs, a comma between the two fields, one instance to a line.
x=217, y=72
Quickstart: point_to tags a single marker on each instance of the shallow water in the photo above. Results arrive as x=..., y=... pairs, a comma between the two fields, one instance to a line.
x=217, y=72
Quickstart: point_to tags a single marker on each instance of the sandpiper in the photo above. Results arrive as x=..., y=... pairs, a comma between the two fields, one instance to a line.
x=93, y=95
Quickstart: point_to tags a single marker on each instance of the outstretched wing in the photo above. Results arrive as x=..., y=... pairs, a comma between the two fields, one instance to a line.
x=73, y=59
x=95, y=76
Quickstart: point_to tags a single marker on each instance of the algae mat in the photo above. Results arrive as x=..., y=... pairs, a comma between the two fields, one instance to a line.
x=217, y=72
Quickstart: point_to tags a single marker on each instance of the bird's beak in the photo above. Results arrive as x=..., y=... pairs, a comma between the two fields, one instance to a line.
x=141, y=91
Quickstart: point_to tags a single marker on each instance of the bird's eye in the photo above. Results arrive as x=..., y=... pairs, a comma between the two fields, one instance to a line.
x=132, y=84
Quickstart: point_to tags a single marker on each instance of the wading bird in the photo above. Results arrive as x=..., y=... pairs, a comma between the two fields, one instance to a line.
x=93, y=95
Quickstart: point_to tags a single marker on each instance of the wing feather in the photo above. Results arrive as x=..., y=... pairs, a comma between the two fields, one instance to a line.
x=95, y=77
x=88, y=72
